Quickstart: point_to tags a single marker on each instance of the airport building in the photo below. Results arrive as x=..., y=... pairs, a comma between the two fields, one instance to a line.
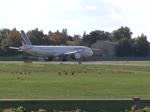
x=104, y=48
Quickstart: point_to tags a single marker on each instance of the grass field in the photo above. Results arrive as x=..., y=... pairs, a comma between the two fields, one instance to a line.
x=74, y=81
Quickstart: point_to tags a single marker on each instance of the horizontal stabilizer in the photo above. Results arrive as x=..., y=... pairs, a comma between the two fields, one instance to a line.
x=17, y=48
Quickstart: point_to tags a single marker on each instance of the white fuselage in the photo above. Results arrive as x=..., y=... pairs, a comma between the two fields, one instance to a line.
x=55, y=51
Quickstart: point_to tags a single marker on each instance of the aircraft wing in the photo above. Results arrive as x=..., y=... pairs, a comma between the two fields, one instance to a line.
x=72, y=52
x=67, y=53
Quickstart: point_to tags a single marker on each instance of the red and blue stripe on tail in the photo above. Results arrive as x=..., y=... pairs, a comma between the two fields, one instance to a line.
x=25, y=39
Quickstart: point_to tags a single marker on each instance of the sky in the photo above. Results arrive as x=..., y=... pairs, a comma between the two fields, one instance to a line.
x=76, y=16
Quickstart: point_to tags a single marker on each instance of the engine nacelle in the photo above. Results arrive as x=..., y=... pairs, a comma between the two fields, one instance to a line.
x=75, y=56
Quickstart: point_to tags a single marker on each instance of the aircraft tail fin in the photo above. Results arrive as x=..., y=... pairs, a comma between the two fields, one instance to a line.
x=25, y=39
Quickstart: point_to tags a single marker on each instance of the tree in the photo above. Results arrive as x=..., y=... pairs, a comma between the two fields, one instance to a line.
x=78, y=40
x=13, y=39
x=141, y=46
x=124, y=48
x=37, y=37
x=64, y=31
x=123, y=32
x=58, y=38
x=94, y=36
x=3, y=34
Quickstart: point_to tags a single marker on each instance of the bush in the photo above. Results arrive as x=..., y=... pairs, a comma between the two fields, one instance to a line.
x=133, y=109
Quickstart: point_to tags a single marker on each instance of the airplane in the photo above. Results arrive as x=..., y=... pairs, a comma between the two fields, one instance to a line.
x=51, y=52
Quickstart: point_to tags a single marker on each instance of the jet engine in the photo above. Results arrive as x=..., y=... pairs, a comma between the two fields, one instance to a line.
x=75, y=56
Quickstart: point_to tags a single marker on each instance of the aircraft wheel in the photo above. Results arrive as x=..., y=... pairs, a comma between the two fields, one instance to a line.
x=64, y=59
x=48, y=59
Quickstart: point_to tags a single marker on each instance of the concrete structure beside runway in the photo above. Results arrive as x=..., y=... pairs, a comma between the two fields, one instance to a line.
x=104, y=48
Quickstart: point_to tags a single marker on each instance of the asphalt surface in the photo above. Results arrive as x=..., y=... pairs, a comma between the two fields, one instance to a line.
x=145, y=63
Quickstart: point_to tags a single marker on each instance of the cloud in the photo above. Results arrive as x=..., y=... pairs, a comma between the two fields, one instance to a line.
x=76, y=15
x=132, y=13
x=115, y=15
x=90, y=7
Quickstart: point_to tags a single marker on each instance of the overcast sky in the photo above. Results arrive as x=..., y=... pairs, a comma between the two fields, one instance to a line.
x=76, y=15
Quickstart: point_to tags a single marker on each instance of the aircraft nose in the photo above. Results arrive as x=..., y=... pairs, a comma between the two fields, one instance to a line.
x=91, y=52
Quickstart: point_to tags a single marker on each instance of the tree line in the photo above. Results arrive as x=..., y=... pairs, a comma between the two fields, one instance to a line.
x=126, y=45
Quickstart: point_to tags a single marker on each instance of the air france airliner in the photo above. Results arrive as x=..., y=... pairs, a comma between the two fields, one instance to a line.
x=51, y=52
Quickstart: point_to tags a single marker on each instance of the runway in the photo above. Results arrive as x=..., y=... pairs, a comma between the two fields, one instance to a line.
x=59, y=62
x=144, y=63
x=133, y=63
